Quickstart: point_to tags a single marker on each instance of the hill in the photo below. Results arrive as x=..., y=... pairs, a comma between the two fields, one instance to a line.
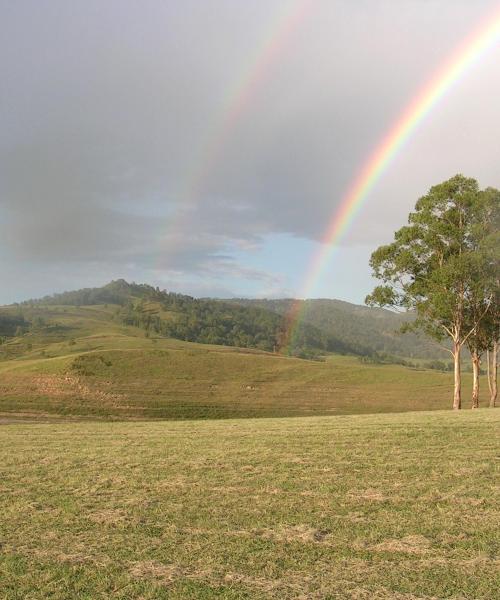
x=325, y=325
x=366, y=507
x=356, y=329
x=84, y=361
x=179, y=316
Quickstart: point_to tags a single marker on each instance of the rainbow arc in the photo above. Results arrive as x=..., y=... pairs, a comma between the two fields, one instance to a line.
x=450, y=73
x=238, y=101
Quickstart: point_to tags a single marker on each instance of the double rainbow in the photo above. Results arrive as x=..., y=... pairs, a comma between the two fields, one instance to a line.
x=239, y=99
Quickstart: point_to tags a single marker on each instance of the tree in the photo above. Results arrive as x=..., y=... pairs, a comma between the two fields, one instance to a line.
x=492, y=370
x=492, y=327
x=494, y=244
x=482, y=311
x=429, y=268
x=480, y=322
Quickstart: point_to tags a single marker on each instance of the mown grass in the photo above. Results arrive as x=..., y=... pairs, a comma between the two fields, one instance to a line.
x=373, y=506
x=85, y=364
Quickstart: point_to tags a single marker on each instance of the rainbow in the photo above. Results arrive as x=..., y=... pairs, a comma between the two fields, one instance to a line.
x=357, y=194
x=238, y=99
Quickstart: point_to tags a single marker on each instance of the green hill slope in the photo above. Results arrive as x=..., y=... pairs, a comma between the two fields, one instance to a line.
x=82, y=361
x=179, y=316
x=325, y=325
x=357, y=329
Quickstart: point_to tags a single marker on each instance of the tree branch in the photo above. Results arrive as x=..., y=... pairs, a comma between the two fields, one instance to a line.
x=476, y=323
x=448, y=331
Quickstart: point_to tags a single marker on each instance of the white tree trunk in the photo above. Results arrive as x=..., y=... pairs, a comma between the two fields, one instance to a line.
x=492, y=375
x=475, y=379
x=457, y=388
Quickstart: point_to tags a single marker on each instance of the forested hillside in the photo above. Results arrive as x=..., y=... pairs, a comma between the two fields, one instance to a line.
x=359, y=329
x=180, y=316
x=325, y=326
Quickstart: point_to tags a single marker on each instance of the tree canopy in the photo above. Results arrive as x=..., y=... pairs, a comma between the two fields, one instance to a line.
x=443, y=265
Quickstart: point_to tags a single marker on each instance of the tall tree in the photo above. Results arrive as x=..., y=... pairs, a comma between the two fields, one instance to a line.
x=480, y=320
x=493, y=243
x=429, y=266
x=492, y=371
x=482, y=311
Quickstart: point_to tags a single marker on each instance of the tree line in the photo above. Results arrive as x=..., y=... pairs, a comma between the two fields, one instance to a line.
x=205, y=321
x=445, y=267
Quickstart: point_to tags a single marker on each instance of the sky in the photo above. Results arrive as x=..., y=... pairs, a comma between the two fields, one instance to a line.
x=205, y=147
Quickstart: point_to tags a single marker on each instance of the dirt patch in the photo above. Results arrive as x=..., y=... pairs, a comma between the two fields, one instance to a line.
x=447, y=538
x=363, y=594
x=411, y=544
x=295, y=533
x=74, y=557
x=108, y=516
x=52, y=386
x=356, y=517
x=86, y=391
x=156, y=570
x=167, y=574
x=70, y=386
x=259, y=583
x=370, y=494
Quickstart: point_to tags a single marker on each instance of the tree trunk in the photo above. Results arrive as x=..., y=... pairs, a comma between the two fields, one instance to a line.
x=475, y=379
x=457, y=390
x=492, y=375
x=488, y=375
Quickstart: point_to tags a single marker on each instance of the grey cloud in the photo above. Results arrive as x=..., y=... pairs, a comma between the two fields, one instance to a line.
x=111, y=113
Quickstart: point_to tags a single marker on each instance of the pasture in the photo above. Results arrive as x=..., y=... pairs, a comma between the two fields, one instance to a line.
x=367, y=506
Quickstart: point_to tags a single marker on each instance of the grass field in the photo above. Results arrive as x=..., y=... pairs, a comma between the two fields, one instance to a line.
x=88, y=365
x=400, y=506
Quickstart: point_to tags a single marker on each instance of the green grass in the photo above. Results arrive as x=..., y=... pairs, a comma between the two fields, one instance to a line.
x=85, y=364
x=368, y=507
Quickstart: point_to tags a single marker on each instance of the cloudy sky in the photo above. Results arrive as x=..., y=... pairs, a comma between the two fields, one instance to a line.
x=204, y=146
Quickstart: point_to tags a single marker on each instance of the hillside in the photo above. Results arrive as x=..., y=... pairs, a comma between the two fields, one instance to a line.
x=361, y=330
x=82, y=361
x=179, y=316
x=325, y=325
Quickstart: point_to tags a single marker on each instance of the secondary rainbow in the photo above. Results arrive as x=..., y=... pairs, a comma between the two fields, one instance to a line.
x=238, y=99
x=240, y=96
x=436, y=88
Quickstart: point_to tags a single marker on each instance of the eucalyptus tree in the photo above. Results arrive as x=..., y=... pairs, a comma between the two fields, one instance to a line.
x=492, y=245
x=492, y=372
x=483, y=307
x=482, y=317
x=430, y=266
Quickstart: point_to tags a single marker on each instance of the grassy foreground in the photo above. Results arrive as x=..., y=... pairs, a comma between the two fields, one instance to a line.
x=367, y=507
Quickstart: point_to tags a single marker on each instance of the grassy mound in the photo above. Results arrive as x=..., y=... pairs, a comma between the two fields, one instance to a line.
x=367, y=506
